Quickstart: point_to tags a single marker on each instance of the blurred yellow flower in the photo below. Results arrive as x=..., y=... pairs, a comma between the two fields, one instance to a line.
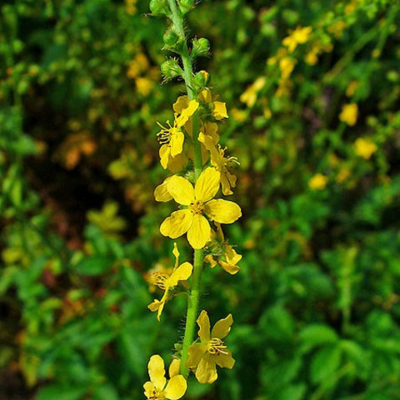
x=365, y=148
x=351, y=88
x=198, y=201
x=249, y=96
x=137, y=66
x=144, y=86
x=167, y=282
x=158, y=388
x=238, y=115
x=318, y=182
x=343, y=174
x=349, y=114
x=131, y=6
x=286, y=65
x=298, y=36
x=212, y=350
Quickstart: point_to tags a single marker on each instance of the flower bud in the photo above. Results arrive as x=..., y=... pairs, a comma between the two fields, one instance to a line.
x=159, y=7
x=171, y=38
x=171, y=69
x=201, y=80
x=201, y=47
x=186, y=5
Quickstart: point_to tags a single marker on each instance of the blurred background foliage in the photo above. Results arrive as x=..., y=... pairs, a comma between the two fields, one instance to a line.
x=313, y=91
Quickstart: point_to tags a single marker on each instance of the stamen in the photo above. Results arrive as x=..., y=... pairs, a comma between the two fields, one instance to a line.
x=216, y=347
x=197, y=207
x=160, y=279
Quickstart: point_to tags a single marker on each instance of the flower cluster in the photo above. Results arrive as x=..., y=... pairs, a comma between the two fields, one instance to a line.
x=201, y=173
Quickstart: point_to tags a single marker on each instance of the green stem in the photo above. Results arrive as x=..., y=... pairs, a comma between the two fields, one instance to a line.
x=193, y=302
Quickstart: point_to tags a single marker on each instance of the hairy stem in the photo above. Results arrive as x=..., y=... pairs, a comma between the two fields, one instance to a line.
x=193, y=302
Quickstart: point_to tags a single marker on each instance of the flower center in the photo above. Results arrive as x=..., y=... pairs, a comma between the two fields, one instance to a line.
x=197, y=207
x=164, y=136
x=160, y=279
x=216, y=346
x=157, y=395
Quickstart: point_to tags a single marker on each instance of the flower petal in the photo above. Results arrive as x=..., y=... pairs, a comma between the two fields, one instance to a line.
x=177, y=163
x=164, y=153
x=207, y=185
x=230, y=268
x=158, y=306
x=220, y=111
x=177, y=224
x=204, y=324
x=187, y=113
x=196, y=351
x=176, y=388
x=222, y=327
x=181, y=190
x=149, y=389
x=157, y=372
x=199, y=232
x=223, y=211
x=176, y=253
x=174, y=367
x=161, y=192
x=182, y=273
x=180, y=104
x=206, y=371
x=176, y=143
x=225, y=360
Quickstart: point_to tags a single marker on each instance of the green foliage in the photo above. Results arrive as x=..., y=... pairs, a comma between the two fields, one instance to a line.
x=316, y=300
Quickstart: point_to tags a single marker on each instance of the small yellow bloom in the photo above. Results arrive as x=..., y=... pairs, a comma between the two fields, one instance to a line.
x=198, y=202
x=168, y=282
x=219, y=111
x=144, y=86
x=298, y=36
x=212, y=350
x=172, y=139
x=221, y=163
x=249, y=97
x=365, y=148
x=286, y=65
x=158, y=388
x=351, y=89
x=318, y=182
x=139, y=65
x=225, y=255
x=349, y=114
x=342, y=175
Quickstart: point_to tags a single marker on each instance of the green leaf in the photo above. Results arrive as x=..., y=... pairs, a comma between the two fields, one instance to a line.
x=61, y=392
x=316, y=335
x=94, y=265
x=293, y=392
x=325, y=363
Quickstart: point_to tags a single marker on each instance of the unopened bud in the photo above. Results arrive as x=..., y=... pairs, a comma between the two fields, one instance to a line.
x=186, y=5
x=201, y=47
x=171, y=38
x=159, y=7
x=171, y=69
x=201, y=80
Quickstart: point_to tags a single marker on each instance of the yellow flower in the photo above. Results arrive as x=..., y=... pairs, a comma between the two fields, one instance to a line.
x=365, y=148
x=343, y=174
x=168, y=282
x=158, y=388
x=298, y=36
x=351, y=89
x=286, y=65
x=172, y=139
x=219, y=111
x=318, y=182
x=138, y=65
x=144, y=86
x=225, y=255
x=221, y=163
x=212, y=350
x=198, y=201
x=349, y=114
x=249, y=97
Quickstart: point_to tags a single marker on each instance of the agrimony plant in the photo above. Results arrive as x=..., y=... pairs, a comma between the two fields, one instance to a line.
x=190, y=150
